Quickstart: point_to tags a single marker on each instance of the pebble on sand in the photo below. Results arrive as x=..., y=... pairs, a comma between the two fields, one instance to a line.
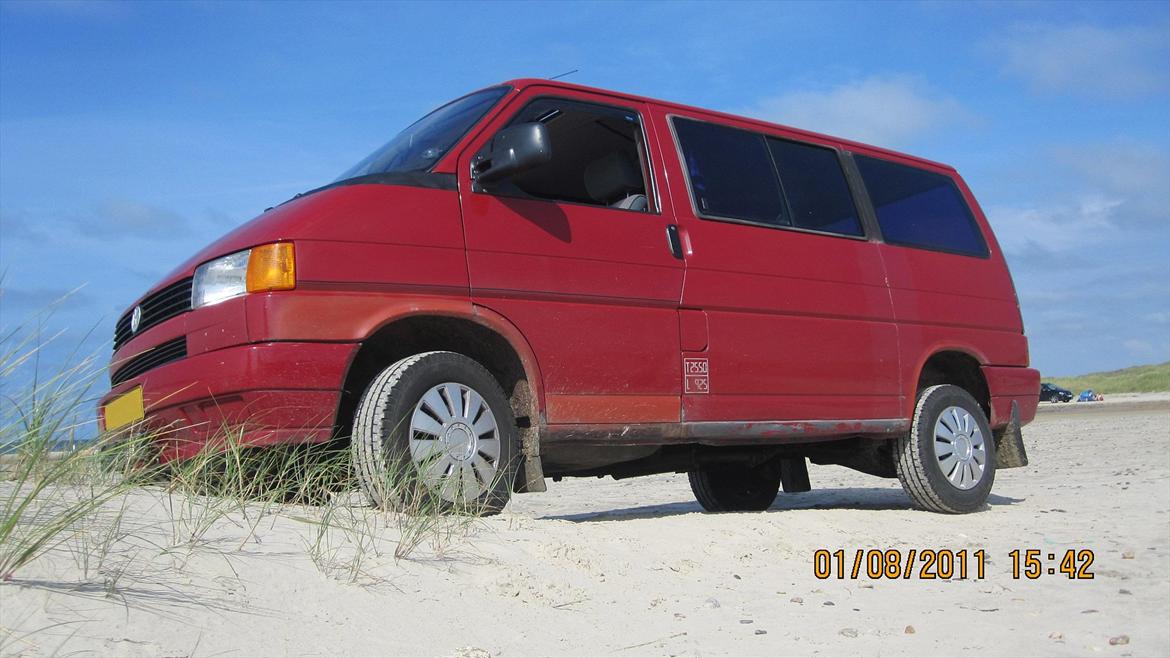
x=760, y=631
x=711, y=602
x=1056, y=635
x=1128, y=555
x=796, y=599
x=1120, y=639
x=910, y=630
x=848, y=632
x=472, y=652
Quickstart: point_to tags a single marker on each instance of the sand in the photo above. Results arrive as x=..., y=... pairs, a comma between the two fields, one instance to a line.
x=633, y=567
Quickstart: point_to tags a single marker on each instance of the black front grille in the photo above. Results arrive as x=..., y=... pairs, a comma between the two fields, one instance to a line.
x=163, y=305
x=172, y=350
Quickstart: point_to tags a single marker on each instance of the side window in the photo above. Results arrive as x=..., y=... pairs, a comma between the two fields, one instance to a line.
x=598, y=156
x=730, y=171
x=814, y=184
x=920, y=208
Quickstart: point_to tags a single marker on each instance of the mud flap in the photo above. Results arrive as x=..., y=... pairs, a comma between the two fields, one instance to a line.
x=794, y=475
x=1009, y=443
x=530, y=474
x=532, y=479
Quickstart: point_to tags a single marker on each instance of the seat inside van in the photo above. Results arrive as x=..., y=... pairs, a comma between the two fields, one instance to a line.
x=596, y=156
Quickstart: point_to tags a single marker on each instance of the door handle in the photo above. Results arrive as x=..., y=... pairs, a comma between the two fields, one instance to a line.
x=673, y=242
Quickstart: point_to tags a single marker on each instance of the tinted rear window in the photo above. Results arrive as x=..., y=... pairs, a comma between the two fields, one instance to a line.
x=920, y=208
x=818, y=195
x=731, y=172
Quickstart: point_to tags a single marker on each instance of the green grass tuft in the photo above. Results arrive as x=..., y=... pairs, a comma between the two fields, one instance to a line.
x=62, y=496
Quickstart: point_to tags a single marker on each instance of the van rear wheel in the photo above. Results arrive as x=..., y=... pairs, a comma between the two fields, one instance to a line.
x=434, y=432
x=735, y=487
x=947, y=461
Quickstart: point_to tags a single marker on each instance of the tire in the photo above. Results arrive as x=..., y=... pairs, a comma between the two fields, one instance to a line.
x=931, y=475
x=434, y=431
x=735, y=487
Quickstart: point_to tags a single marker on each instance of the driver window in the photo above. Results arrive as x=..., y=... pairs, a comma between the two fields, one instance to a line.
x=598, y=157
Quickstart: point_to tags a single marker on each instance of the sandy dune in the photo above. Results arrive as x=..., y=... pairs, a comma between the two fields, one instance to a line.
x=627, y=568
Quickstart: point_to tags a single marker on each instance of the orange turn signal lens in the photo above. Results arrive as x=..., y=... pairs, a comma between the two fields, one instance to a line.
x=272, y=267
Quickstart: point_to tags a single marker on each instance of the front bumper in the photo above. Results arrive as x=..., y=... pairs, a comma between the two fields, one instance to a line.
x=265, y=393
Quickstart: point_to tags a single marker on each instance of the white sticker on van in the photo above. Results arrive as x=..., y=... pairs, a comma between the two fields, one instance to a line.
x=696, y=378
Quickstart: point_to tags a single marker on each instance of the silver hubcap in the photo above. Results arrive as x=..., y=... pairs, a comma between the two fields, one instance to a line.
x=455, y=442
x=959, y=447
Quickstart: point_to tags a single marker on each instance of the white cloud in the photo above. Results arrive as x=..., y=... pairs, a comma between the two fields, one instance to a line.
x=1122, y=193
x=14, y=225
x=1137, y=173
x=1086, y=59
x=1053, y=228
x=42, y=299
x=882, y=110
x=122, y=218
x=1140, y=348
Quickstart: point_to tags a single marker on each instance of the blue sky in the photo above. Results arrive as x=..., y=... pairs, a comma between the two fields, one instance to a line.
x=133, y=134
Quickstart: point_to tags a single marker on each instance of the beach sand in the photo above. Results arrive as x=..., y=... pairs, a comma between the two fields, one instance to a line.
x=634, y=567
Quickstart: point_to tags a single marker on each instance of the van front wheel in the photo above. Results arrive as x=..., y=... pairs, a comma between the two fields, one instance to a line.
x=735, y=487
x=434, y=432
x=947, y=461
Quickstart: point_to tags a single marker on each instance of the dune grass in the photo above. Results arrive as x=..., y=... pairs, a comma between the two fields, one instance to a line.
x=39, y=430
x=1138, y=379
x=60, y=495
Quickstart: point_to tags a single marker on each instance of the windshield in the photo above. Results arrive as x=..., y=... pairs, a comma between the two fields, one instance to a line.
x=425, y=141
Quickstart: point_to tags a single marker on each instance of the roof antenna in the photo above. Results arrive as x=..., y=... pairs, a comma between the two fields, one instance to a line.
x=563, y=75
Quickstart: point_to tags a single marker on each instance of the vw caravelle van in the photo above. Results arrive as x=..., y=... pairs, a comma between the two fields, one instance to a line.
x=541, y=280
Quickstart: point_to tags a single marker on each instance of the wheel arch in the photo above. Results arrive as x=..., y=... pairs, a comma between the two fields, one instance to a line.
x=958, y=366
x=478, y=333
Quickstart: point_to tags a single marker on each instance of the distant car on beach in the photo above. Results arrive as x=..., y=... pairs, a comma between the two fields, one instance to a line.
x=1054, y=393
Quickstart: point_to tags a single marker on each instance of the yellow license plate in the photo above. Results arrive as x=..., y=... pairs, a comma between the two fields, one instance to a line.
x=125, y=409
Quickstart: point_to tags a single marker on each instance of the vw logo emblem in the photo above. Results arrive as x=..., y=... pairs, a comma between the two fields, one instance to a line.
x=135, y=319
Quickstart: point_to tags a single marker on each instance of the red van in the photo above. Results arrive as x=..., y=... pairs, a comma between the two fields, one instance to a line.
x=541, y=280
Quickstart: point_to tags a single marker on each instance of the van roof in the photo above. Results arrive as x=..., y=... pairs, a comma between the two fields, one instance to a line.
x=521, y=83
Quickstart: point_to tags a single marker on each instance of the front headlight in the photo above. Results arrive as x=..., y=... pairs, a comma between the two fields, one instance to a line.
x=263, y=268
x=220, y=279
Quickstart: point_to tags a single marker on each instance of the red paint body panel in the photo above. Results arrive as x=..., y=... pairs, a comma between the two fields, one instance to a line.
x=572, y=409
x=1012, y=381
x=800, y=324
x=1010, y=385
x=588, y=286
x=264, y=387
x=1001, y=409
x=803, y=333
x=363, y=214
x=694, y=333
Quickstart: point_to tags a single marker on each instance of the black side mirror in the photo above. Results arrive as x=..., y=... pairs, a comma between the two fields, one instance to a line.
x=513, y=150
